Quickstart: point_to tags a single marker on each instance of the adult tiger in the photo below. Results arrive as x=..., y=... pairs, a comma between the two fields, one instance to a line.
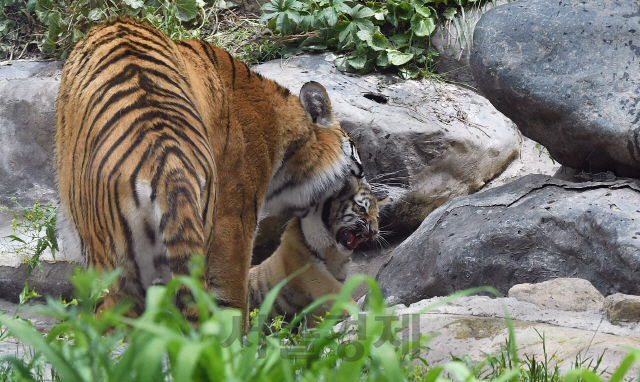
x=167, y=149
x=324, y=238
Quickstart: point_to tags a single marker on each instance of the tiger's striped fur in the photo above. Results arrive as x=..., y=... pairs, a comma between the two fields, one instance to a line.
x=324, y=238
x=168, y=149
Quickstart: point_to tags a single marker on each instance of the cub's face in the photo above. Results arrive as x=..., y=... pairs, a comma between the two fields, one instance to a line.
x=352, y=214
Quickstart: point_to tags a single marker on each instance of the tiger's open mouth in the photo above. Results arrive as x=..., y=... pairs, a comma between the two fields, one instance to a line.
x=350, y=239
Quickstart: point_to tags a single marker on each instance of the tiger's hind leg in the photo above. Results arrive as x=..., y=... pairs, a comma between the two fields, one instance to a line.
x=183, y=209
x=166, y=222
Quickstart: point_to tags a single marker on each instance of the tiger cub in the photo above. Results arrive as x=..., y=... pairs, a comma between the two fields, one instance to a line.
x=168, y=149
x=324, y=238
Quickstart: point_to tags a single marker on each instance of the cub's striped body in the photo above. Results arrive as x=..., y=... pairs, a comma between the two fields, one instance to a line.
x=168, y=149
x=324, y=238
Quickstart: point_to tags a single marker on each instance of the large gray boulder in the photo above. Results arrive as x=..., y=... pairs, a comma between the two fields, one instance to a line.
x=531, y=230
x=28, y=92
x=567, y=73
x=453, y=40
x=428, y=141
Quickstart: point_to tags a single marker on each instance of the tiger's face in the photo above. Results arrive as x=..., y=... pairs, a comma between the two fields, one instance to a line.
x=351, y=216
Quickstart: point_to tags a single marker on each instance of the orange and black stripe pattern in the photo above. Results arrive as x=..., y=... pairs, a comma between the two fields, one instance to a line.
x=168, y=149
x=324, y=239
x=134, y=156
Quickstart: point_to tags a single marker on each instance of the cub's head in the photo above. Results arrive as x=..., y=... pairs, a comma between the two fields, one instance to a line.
x=351, y=215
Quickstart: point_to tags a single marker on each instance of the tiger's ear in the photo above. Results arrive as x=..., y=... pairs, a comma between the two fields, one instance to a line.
x=315, y=101
x=383, y=202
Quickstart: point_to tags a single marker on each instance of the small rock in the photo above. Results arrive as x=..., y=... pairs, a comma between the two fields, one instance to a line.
x=622, y=307
x=572, y=294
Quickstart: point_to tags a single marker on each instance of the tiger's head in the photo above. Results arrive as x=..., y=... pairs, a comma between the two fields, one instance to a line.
x=346, y=219
x=317, y=162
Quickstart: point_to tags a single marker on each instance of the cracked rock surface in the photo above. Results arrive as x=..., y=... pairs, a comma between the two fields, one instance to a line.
x=531, y=230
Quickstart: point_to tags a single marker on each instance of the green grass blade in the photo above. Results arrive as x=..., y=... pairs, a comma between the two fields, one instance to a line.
x=249, y=354
x=31, y=337
x=186, y=361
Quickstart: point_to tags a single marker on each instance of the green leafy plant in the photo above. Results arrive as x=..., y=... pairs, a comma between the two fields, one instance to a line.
x=543, y=150
x=18, y=28
x=369, y=35
x=162, y=345
x=33, y=232
x=68, y=22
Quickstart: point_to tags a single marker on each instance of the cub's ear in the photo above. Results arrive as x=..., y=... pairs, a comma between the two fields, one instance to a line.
x=315, y=101
x=382, y=194
x=383, y=202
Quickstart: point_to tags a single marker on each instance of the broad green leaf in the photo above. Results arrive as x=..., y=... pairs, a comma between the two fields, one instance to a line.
x=341, y=64
x=404, y=11
x=31, y=5
x=53, y=21
x=283, y=24
x=293, y=4
x=269, y=7
x=365, y=35
x=408, y=72
x=375, y=41
x=364, y=13
x=294, y=16
x=423, y=11
x=398, y=39
x=77, y=35
x=398, y=58
x=267, y=16
x=341, y=7
x=450, y=13
x=135, y=4
x=422, y=26
x=364, y=24
x=290, y=51
x=348, y=43
x=306, y=22
x=43, y=9
x=357, y=62
x=330, y=15
x=354, y=11
x=186, y=10
x=382, y=60
x=346, y=29
x=6, y=26
x=379, y=42
x=95, y=15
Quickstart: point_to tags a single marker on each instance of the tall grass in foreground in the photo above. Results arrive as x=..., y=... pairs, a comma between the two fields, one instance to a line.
x=162, y=346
